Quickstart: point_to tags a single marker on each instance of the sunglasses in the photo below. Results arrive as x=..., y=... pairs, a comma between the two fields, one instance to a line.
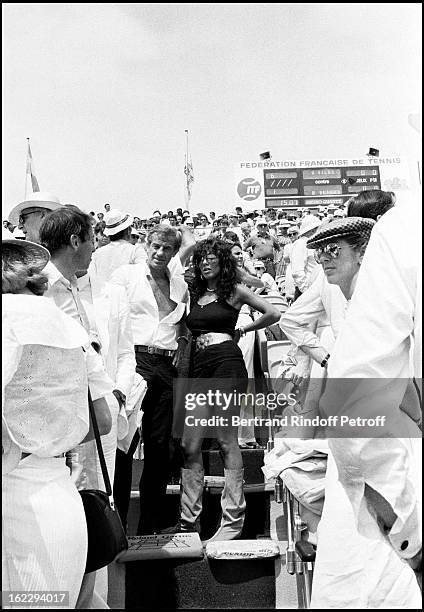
x=24, y=217
x=332, y=250
x=210, y=259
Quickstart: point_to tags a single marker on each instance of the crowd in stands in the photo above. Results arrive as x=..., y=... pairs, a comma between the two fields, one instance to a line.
x=121, y=306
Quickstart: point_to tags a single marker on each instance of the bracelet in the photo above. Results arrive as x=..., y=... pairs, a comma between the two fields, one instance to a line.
x=325, y=360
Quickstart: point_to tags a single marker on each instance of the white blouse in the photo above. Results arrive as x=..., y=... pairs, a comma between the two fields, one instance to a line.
x=44, y=388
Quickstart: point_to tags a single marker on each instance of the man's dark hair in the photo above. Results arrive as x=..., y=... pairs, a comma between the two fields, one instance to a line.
x=59, y=225
x=370, y=204
x=120, y=235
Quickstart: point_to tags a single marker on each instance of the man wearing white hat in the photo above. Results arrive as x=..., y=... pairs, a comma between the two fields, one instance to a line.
x=119, y=251
x=263, y=245
x=29, y=214
x=304, y=267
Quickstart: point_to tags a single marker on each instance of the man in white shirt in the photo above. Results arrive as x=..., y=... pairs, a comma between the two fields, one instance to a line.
x=380, y=348
x=158, y=301
x=120, y=250
x=304, y=267
x=68, y=234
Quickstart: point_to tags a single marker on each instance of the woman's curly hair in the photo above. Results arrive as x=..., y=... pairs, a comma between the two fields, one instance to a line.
x=227, y=280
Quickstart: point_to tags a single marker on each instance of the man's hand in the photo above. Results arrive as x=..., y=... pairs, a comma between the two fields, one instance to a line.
x=120, y=397
x=182, y=345
x=300, y=374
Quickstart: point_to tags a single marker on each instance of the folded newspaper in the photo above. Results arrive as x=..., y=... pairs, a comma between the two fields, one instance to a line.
x=162, y=546
x=242, y=549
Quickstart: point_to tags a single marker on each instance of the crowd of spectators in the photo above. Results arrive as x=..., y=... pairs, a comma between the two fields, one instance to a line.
x=120, y=306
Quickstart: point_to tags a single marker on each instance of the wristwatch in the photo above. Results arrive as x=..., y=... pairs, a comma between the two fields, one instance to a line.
x=324, y=362
x=241, y=331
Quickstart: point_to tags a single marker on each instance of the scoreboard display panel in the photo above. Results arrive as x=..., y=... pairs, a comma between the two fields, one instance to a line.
x=314, y=183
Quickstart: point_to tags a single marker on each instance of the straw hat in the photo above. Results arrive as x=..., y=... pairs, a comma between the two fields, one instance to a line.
x=31, y=253
x=38, y=199
x=117, y=221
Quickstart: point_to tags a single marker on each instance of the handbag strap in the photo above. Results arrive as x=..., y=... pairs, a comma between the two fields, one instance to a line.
x=99, y=447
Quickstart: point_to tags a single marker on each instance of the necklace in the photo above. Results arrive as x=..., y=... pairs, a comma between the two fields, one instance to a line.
x=210, y=290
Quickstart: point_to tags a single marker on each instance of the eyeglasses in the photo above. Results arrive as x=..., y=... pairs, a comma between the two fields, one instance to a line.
x=210, y=259
x=24, y=217
x=292, y=233
x=332, y=250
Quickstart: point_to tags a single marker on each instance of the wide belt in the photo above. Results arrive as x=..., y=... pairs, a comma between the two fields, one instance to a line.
x=153, y=350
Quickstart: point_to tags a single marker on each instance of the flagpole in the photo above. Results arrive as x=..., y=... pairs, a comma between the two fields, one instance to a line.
x=26, y=171
x=186, y=165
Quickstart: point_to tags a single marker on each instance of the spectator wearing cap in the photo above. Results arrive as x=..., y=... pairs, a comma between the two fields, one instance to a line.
x=203, y=230
x=234, y=225
x=304, y=267
x=263, y=246
x=134, y=236
x=120, y=250
x=246, y=230
x=270, y=286
x=384, y=344
x=29, y=214
x=283, y=239
x=360, y=567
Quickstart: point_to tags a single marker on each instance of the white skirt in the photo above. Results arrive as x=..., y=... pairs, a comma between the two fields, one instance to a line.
x=44, y=530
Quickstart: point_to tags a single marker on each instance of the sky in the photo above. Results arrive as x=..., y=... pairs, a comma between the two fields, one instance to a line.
x=106, y=91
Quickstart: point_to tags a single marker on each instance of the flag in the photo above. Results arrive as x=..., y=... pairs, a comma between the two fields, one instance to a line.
x=30, y=170
x=188, y=171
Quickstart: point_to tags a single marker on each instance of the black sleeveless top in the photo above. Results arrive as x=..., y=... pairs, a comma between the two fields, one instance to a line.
x=217, y=316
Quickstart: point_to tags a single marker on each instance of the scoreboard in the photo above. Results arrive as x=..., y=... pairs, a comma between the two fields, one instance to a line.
x=313, y=183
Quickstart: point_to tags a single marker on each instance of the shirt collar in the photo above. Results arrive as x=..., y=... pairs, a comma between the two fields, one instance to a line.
x=55, y=276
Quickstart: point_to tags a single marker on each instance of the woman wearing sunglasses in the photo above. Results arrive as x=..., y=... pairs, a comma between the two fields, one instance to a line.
x=342, y=552
x=217, y=366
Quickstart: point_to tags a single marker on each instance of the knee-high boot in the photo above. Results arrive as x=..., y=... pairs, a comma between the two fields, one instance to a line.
x=192, y=481
x=233, y=506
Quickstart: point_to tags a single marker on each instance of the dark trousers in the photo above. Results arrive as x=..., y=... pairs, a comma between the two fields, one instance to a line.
x=123, y=478
x=157, y=407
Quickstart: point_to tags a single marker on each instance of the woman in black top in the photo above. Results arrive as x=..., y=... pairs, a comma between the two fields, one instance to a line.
x=218, y=365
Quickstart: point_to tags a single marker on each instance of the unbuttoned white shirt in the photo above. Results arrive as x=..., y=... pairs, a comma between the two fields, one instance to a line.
x=147, y=328
x=108, y=258
x=381, y=340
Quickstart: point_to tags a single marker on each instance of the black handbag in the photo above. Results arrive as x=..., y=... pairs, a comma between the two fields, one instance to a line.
x=106, y=536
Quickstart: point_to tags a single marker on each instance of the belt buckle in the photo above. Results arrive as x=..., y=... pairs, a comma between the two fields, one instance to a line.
x=151, y=350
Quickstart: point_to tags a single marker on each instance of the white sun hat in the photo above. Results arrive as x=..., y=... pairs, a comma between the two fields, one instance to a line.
x=38, y=199
x=116, y=221
x=310, y=222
